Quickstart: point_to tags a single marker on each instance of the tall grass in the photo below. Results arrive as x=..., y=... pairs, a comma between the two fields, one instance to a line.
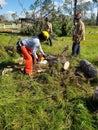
x=54, y=100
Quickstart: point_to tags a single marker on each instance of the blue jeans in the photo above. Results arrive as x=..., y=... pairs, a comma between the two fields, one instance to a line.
x=76, y=48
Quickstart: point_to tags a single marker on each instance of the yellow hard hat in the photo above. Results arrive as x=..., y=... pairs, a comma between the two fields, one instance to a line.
x=45, y=34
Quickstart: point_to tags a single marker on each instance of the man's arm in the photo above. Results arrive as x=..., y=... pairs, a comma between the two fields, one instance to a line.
x=41, y=50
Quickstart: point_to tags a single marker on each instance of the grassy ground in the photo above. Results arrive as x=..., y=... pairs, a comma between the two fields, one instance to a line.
x=54, y=100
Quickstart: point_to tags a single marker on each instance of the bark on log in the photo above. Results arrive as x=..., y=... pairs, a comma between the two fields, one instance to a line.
x=88, y=68
x=53, y=60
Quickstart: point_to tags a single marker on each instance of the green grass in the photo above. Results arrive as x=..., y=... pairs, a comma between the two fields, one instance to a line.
x=53, y=100
x=91, y=29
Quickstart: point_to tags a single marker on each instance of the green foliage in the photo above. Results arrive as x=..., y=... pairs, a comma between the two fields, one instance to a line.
x=82, y=119
x=53, y=100
x=27, y=29
x=32, y=28
x=58, y=65
x=67, y=27
x=3, y=54
x=44, y=78
x=62, y=26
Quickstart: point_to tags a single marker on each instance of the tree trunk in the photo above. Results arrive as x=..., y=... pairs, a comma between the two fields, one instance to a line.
x=97, y=18
x=88, y=69
x=75, y=9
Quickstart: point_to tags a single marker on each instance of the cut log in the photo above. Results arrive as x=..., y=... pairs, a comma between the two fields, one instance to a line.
x=88, y=68
x=66, y=65
x=53, y=60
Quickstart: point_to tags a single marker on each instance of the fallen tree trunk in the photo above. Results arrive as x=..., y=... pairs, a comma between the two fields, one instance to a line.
x=10, y=31
x=88, y=68
x=95, y=96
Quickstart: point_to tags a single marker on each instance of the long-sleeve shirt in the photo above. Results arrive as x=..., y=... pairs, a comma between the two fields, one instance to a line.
x=48, y=27
x=34, y=44
x=79, y=31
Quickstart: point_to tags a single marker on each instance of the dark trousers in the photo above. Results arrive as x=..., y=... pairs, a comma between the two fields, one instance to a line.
x=50, y=41
x=76, y=48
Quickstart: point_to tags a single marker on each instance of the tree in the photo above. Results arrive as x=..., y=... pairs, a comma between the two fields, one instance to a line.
x=68, y=6
x=47, y=7
x=2, y=18
x=83, y=7
x=0, y=7
x=96, y=1
x=41, y=9
x=97, y=18
x=14, y=16
x=75, y=9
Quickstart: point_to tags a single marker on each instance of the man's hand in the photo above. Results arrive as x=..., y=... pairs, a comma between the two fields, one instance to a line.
x=34, y=60
x=45, y=55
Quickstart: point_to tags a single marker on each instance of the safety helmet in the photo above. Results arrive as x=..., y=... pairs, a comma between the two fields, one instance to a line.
x=45, y=34
x=78, y=15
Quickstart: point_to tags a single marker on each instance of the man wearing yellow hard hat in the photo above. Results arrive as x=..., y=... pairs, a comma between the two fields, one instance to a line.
x=29, y=47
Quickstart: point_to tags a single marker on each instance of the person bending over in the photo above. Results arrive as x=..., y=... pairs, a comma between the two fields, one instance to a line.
x=29, y=47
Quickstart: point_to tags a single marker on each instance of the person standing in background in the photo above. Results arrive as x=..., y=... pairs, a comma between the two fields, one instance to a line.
x=78, y=34
x=48, y=28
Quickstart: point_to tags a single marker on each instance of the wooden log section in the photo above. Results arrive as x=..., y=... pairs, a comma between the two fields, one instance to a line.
x=65, y=64
x=88, y=68
x=53, y=60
